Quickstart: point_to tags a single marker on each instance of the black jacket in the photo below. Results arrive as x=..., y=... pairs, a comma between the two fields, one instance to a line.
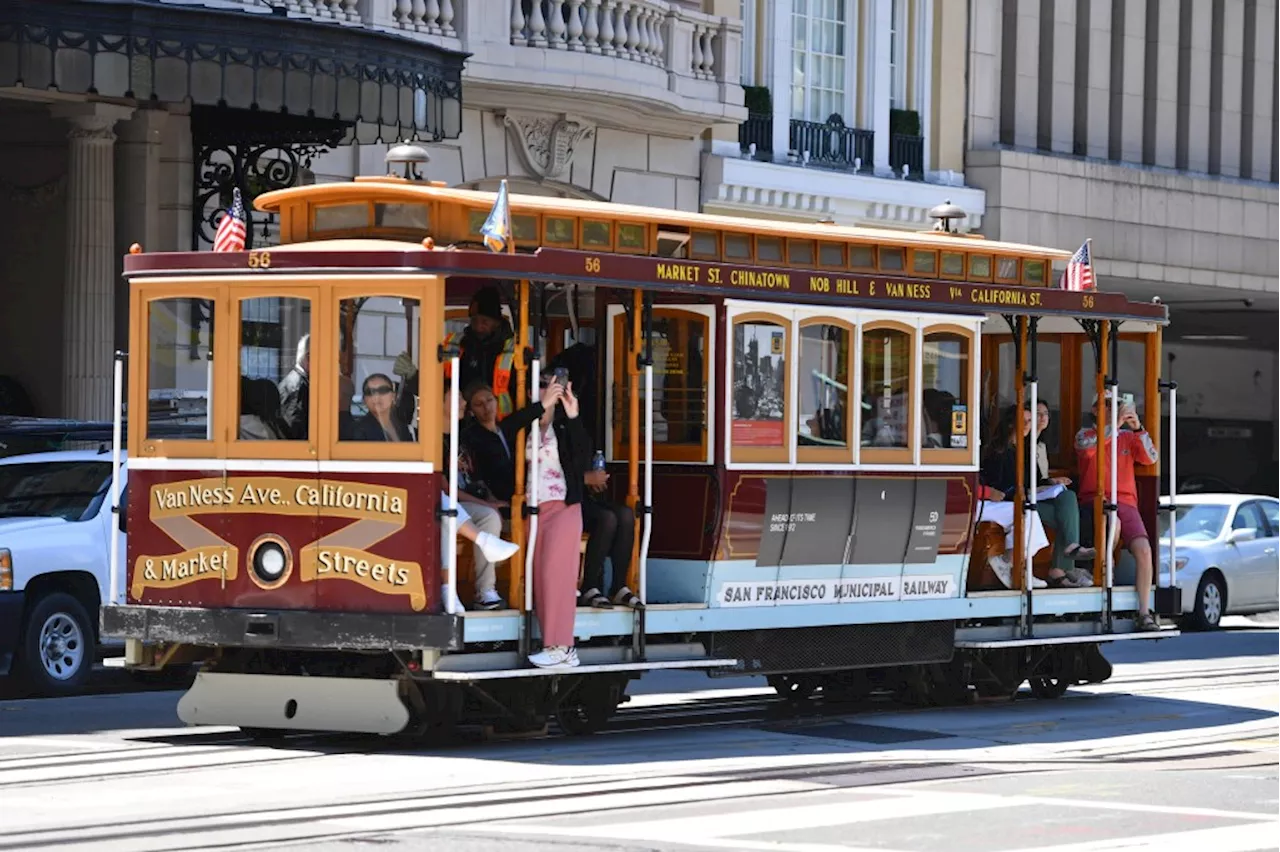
x=490, y=460
x=367, y=428
x=575, y=454
x=999, y=470
x=295, y=404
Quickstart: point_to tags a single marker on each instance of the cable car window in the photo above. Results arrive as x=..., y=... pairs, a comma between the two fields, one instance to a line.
x=823, y=413
x=179, y=368
x=886, y=380
x=274, y=392
x=378, y=369
x=680, y=372
x=759, y=389
x=341, y=217
x=410, y=216
x=945, y=396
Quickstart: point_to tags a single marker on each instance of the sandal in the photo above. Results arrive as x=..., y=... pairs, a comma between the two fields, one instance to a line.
x=1081, y=554
x=1064, y=581
x=593, y=598
x=1146, y=623
x=626, y=597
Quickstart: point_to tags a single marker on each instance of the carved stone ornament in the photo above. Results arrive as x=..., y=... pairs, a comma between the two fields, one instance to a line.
x=546, y=143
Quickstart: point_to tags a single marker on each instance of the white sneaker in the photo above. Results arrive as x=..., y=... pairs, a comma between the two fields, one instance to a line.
x=490, y=600
x=1037, y=583
x=555, y=657
x=494, y=548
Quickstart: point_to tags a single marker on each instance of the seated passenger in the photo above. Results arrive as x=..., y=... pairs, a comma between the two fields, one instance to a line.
x=485, y=518
x=611, y=531
x=259, y=410
x=1133, y=446
x=992, y=508
x=295, y=393
x=999, y=471
x=382, y=423
x=488, y=544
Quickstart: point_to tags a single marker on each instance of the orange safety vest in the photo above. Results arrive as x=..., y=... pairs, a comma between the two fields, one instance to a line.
x=502, y=367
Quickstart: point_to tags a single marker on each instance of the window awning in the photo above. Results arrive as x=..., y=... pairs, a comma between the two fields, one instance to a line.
x=384, y=86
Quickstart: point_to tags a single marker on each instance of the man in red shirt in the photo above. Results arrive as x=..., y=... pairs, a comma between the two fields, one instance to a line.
x=1133, y=446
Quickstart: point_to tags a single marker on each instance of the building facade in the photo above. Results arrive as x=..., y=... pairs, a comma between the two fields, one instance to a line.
x=139, y=133
x=1150, y=128
x=855, y=115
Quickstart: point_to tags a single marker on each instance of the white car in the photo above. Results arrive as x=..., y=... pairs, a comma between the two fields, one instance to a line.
x=55, y=539
x=1227, y=560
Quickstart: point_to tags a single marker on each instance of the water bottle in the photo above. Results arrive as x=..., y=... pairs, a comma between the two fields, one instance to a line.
x=597, y=461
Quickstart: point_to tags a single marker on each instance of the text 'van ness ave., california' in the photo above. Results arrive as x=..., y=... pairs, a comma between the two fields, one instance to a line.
x=273, y=494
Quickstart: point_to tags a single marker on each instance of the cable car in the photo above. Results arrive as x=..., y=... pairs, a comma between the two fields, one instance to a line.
x=796, y=414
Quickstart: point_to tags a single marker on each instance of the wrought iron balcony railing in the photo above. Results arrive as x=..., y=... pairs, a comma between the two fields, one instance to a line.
x=832, y=145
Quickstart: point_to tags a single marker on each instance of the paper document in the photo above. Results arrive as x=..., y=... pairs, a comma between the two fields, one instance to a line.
x=1049, y=492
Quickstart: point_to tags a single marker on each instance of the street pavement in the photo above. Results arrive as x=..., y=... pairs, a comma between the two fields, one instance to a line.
x=1177, y=751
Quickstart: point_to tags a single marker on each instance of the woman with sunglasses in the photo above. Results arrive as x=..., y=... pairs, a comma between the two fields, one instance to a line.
x=381, y=423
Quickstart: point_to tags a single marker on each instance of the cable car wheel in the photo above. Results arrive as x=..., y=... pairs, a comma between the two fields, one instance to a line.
x=795, y=687
x=589, y=707
x=1049, y=687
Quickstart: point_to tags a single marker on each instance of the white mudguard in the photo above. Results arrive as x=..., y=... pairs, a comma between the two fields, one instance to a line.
x=294, y=703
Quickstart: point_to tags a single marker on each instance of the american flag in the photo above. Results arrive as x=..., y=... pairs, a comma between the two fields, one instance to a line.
x=1079, y=272
x=231, y=230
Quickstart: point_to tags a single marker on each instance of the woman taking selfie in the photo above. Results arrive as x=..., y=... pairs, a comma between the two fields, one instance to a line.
x=563, y=454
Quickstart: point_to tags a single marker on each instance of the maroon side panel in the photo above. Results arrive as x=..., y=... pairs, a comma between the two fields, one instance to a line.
x=355, y=542
x=416, y=544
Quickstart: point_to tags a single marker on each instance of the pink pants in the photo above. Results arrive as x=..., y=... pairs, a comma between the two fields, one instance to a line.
x=555, y=570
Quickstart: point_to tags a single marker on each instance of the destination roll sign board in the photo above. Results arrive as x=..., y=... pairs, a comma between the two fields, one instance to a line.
x=812, y=286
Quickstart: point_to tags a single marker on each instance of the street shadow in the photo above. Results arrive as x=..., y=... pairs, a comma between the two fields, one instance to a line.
x=1253, y=641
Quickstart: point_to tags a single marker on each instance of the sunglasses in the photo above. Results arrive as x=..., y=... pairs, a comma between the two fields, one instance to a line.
x=380, y=390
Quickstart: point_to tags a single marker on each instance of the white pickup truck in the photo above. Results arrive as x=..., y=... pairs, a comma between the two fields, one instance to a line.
x=55, y=539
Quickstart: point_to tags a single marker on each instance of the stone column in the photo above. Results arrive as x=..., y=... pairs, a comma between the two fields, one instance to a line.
x=780, y=84
x=138, y=202
x=878, y=39
x=88, y=294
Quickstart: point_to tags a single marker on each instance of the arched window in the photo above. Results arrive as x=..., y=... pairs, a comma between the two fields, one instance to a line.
x=946, y=395
x=888, y=398
x=824, y=419
x=759, y=404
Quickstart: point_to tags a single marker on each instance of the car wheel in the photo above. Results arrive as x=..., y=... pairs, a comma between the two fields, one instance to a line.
x=1211, y=602
x=57, y=649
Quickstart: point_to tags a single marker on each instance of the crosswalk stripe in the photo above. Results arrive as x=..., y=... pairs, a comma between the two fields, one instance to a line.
x=786, y=817
x=1231, y=838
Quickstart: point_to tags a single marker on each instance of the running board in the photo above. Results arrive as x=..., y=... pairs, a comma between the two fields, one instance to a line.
x=533, y=671
x=1084, y=638
x=294, y=703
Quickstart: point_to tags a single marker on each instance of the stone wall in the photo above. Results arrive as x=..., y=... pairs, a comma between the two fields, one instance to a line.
x=33, y=162
x=597, y=162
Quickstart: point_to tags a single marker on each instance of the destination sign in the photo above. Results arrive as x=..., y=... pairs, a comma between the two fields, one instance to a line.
x=814, y=286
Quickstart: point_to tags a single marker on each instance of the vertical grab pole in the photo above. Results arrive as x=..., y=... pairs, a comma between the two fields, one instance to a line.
x=535, y=432
x=116, y=418
x=1173, y=484
x=1113, y=444
x=208, y=402
x=521, y=399
x=451, y=518
x=1030, y=509
x=648, y=482
x=1101, y=533
x=1018, y=557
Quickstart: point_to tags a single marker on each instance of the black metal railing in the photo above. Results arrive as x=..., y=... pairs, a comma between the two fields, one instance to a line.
x=907, y=151
x=757, y=130
x=830, y=144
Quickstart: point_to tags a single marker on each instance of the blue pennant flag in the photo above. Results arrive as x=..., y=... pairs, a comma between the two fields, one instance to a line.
x=497, y=228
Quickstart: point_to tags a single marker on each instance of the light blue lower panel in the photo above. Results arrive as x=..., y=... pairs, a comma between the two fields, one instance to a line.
x=592, y=623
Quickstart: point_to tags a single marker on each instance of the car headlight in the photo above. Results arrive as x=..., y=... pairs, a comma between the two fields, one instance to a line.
x=6, y=570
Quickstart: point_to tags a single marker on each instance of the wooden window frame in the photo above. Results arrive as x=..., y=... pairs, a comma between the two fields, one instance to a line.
x=953, y=276
x=991, y=265
x=329, y=233
x=141, y=295
x=914, y=253
x=761, y=455
x=584, y=223
x=780, y=260
x=1045, y=266
x=575, y=238
x=615, y=446
x=1017, y=270
x=282, y=449
x=880, y=253
x=789, y=242
x=724, y=247
x=430, y=295
x=875, y=257
x=951, y=456
x=825, y=455
x=648, y=231
x=843, y=248
x=893, y=455
x=715, y=236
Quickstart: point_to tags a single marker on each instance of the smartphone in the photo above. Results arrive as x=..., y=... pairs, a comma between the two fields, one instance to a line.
x=1126, y=399
x=561, y=376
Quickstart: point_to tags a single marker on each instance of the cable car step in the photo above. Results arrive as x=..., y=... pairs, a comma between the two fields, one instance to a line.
x=532, y=671
x=1026, y=642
